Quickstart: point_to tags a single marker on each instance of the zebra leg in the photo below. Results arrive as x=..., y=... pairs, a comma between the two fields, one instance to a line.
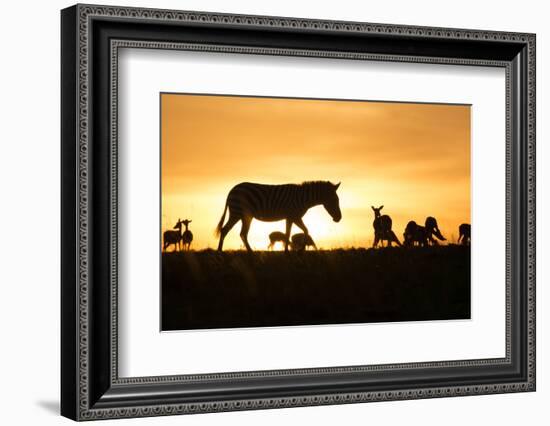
x=244, y=232
x=226, y=228
x=300, y=224
x=287, y=233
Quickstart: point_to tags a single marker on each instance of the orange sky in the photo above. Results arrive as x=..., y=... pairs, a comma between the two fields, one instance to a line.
x=412, y=158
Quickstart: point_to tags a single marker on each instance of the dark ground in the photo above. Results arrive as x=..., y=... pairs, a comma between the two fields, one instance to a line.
x=208, y=289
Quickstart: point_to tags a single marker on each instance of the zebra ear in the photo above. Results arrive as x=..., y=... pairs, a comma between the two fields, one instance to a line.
x=337, y=186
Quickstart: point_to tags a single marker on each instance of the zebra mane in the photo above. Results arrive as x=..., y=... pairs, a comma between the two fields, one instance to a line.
x=318, y=184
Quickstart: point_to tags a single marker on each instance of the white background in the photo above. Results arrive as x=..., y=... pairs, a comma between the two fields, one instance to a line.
x=29, y=168
x=146, y=352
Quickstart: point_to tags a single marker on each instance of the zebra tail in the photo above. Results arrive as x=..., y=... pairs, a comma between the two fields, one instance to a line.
x=220, y=223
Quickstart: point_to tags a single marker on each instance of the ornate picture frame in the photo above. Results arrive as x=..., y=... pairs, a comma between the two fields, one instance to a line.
x=91, y=37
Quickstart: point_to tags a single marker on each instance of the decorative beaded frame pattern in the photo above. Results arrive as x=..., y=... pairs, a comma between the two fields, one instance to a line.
x=88, y=12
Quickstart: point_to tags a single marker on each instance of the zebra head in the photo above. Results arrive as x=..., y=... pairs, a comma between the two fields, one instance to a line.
x=178, y=224
x=332, y=203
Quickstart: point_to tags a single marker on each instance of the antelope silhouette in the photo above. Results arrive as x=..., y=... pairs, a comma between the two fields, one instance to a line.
x=415, y=235
x=464, y=232
x=187, y=236
x=270, y=203
x=301, y=241
x=382, y=228
x=433, y=230
x=422, y=235
x=276, y=237
x=173, y=237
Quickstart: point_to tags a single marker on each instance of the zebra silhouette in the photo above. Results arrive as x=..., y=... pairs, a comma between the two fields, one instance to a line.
x=270, y=203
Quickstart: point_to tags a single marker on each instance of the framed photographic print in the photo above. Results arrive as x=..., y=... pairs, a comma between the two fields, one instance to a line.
x=263, y=212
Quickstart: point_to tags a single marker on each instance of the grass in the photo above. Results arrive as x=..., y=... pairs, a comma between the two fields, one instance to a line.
x=207, y=289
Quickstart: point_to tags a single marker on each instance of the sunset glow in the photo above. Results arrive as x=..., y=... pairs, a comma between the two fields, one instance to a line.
x=412, y=158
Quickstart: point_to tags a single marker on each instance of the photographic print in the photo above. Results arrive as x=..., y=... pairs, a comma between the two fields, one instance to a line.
x=293, y=211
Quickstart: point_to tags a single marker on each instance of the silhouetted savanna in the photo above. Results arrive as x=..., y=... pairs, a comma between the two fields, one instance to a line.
x=211, y=289
x=281, y=224
x=415, y=281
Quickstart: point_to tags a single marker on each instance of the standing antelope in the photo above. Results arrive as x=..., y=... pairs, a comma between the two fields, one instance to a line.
x=301, y=241
x=382, y=228
x=270, y=203
x=173, y=237
x=464, y=231
x=187, y=236
x=275, y=237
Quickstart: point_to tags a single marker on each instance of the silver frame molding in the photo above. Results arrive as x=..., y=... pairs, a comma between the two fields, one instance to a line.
x=91, y=388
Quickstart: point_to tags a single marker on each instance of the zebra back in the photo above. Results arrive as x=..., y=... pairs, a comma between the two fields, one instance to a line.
x=278, y=200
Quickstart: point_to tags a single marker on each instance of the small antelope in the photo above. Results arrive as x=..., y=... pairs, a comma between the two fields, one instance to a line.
x=464, y=231
x=382, y=228
x=187, y=236
x=276, y=237
x=173, y=237
x=301, y=241
x=433, y=230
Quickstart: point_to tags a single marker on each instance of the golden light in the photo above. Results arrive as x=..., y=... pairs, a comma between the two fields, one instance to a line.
x=412, y=158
